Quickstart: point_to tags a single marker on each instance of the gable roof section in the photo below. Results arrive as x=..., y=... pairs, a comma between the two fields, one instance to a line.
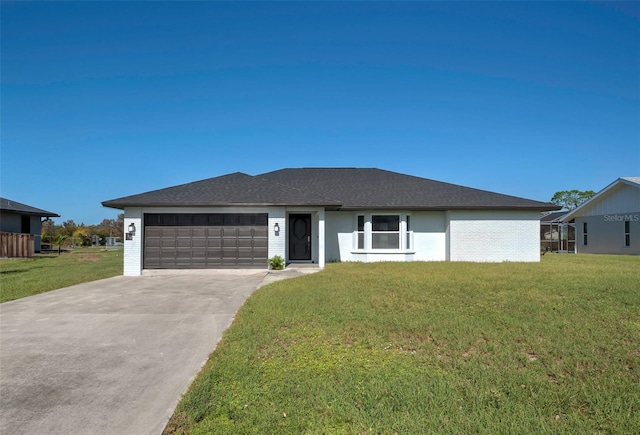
x=237, y=189
x=371, y=188
x=9, y=206
x=629, y=181
x=334, y=188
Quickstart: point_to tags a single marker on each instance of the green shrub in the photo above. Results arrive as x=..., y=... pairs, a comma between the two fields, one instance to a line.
x=276, y=263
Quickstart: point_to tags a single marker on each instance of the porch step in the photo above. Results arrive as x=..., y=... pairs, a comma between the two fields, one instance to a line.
x=302, y=266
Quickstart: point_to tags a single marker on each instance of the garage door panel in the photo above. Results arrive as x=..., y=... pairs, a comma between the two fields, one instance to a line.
x=167, y=232
x=245, y=243
x=245, y=232
x=199, y=243
x=214, y=232
x=199, y=232
x=183, y=243
x=214, y=243
x=168, y=243
x=184, y=232
x=152, y=243
x=260, y=232
x=199, y=256
x=229, y=243
x=229, y=253
x=153, y=232
x=260, y=243
x=205, y=241
x=229, y=232
x=260, y=252
x=182, y=255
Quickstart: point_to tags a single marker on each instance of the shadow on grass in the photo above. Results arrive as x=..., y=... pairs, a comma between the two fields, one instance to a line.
x=5, y=272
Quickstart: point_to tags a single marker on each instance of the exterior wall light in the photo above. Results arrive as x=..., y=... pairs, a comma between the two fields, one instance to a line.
x=276, y=228
x=132, y=228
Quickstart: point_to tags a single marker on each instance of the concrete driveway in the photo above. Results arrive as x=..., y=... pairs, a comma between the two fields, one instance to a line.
x=112, y=356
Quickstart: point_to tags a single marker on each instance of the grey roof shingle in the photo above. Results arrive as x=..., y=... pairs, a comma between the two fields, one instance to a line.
x=335, y=188
x=555, y=216
x=10, y=206
x=233, y=189
x=366, y=188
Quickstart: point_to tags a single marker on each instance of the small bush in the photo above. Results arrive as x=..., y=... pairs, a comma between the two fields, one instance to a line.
x=276, y=263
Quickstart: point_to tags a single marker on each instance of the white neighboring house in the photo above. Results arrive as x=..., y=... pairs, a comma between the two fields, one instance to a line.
x=609, y=222
x=315, y=215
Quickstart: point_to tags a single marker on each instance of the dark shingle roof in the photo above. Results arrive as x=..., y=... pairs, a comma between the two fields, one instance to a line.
x=10, y=206
x=233, y=189
x=555, y=216
x=366, y=188
x=336, y=188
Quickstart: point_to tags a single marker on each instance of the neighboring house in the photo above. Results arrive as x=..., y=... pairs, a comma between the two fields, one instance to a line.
x=20, y=218
x=315, y=215
x=556, y=236
x=609, y=222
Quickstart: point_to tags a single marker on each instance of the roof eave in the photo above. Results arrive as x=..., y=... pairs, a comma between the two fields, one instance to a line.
x=31, y=213
x=122, y=206
x=445, y=208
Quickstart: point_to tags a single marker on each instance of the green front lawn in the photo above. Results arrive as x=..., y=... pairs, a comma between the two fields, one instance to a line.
x=430, y=348
x=29, y=276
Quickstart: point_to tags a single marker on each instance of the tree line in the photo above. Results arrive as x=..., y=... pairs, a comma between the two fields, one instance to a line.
x=69, y=233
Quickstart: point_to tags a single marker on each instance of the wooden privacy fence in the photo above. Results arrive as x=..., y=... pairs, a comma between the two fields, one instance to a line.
x=17, y=245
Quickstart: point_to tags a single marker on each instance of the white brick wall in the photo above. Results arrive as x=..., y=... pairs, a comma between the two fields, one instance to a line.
x=133, y=248
x=277, y=245
x=494, y=236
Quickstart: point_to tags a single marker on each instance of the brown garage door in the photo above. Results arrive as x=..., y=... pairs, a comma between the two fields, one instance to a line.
x=205, y=240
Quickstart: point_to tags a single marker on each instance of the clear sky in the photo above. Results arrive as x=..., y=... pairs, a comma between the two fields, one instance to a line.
x=107, y=99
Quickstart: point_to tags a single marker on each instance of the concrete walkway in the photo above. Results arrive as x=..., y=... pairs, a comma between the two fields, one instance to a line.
x=114, y=356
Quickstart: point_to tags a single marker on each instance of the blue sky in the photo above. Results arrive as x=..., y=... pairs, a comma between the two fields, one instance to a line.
x=107, y=99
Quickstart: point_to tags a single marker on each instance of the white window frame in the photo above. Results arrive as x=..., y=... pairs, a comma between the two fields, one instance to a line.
x=627, y=234
x=405, y=234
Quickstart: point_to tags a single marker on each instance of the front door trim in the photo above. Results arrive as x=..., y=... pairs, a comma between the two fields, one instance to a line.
x=299, y=234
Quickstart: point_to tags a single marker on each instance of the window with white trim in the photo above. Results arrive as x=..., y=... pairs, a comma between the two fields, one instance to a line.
x=389, y=232
x=385, y=232
x=627, y=233
x=584, y=234
x=360, y=233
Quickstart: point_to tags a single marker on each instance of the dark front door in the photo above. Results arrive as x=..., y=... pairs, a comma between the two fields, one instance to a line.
x=299, y=237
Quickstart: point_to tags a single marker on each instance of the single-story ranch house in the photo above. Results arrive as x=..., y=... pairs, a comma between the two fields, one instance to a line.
x=19, y=218
x=315, y=215
x=609, y=222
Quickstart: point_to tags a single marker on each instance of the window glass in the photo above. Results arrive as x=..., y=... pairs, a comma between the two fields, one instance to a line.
x=627, y=233
x=360, y=232
x=584, y=233
x=385, y=223
x=385, y=240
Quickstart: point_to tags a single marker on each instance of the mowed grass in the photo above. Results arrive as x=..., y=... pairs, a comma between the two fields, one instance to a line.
x=25, y=277
x=420, y=348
